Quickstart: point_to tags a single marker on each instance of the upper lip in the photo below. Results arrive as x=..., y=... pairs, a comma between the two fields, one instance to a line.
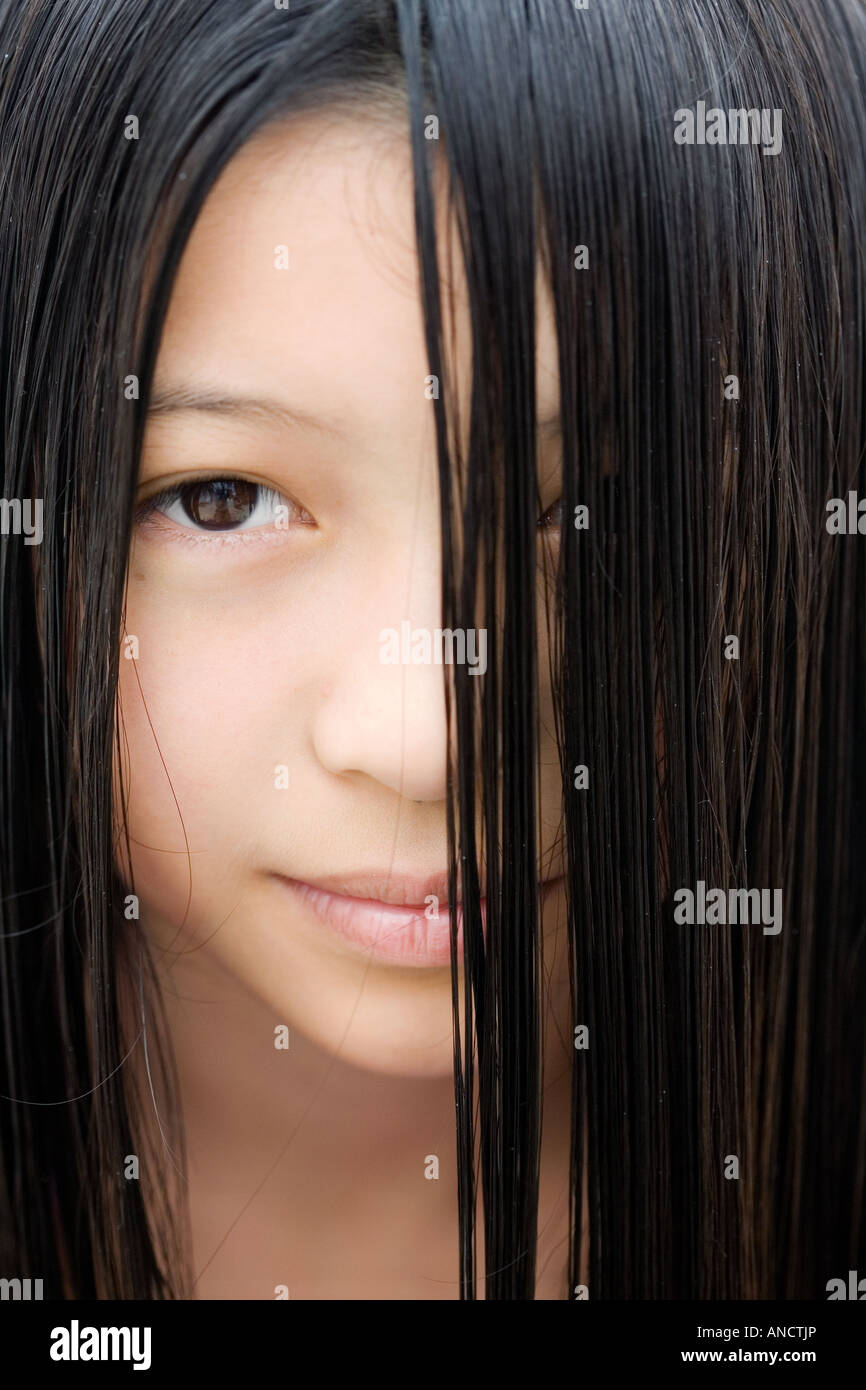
x=393, y=889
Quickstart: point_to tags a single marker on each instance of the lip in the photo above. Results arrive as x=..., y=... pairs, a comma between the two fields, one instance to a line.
x=390, y=919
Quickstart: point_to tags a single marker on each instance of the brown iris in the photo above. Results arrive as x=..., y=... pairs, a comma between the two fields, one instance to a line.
x=220, y=503
x=553, y=517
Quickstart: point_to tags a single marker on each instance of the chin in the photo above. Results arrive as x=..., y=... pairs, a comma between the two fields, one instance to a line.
x=419, y=1063
x=377, y=1020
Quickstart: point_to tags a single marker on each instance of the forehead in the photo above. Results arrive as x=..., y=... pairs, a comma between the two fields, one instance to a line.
x=301, y=278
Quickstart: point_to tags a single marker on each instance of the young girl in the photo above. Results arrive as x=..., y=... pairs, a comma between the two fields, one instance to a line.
x=433, y=743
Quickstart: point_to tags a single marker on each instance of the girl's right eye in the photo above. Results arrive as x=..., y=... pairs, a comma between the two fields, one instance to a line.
x=221, y=504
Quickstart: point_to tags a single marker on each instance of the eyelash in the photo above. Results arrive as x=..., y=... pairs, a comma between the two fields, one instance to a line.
x=153, y=512
x=158, y=504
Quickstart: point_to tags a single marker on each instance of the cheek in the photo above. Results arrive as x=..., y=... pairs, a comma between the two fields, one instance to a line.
x=550, y=780
x=200, y=738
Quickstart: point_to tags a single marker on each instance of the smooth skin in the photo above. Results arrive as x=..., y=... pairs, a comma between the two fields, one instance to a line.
x=258, y=649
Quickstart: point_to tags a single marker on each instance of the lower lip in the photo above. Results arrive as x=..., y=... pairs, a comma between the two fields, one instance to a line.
x=396, y=935
x=393, y=935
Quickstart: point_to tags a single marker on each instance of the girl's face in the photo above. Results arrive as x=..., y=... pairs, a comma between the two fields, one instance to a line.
x=277, y=768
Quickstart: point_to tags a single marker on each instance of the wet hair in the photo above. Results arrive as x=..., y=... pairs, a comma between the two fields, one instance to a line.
x=710, y=351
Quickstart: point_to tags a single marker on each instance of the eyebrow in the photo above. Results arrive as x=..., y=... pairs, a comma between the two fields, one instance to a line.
x=177, y=399
x=174, y=400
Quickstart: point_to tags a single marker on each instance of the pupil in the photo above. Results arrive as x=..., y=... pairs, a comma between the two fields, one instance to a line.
x=221, y=503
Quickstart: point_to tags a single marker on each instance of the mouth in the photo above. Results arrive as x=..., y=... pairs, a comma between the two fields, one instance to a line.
x=398, y=921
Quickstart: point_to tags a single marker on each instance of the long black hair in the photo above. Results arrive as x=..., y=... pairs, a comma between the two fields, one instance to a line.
x=709, y=302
